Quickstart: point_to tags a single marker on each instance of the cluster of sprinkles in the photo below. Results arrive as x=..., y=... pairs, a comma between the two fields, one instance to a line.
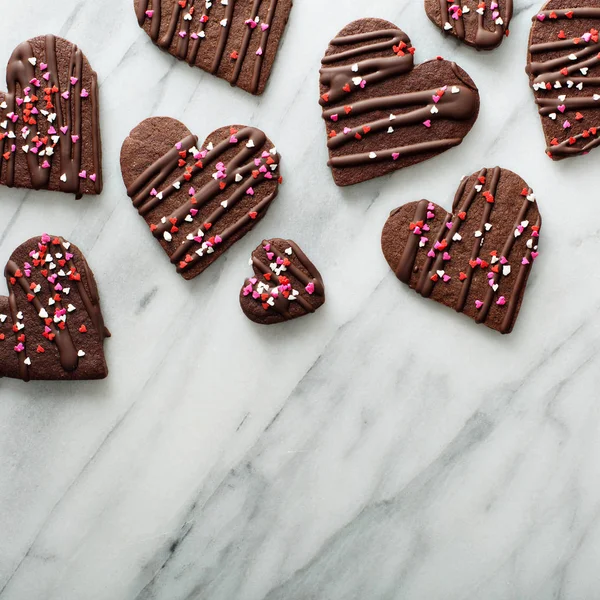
x=286, y=277
x=498, y=266
x=193, y=231
x=341, y=83
x=454, y=13
x=188, y=29
x=44, y=122
x=46, y=279
x=559, y=83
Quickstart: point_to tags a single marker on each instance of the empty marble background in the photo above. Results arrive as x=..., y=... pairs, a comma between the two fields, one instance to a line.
x=384, y=448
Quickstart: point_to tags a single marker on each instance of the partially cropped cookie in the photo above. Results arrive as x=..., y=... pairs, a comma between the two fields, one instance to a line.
x=51, y=324
x=285, y=285
x=49, y=119
x=482, y=25
x=564, y=73
x=476, y=259
x=199, y=199
x=236, y=40
x=383, y=114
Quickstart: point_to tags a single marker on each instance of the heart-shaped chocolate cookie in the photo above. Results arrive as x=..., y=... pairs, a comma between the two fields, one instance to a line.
x=382, y=114
x=51, y=325
x=236, y=40
x=286, y=285
x=475, y=260
x=482, y=25
x=564, y=67
x=49, y=125
x=199, y=201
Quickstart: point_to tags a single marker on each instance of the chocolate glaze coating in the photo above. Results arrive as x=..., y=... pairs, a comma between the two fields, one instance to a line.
x=381, y=114
x=220, y=39
x=51, y=343
x=158, y=160
x=480, y=246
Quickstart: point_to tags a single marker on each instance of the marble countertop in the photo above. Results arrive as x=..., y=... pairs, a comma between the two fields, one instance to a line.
x=383, y=448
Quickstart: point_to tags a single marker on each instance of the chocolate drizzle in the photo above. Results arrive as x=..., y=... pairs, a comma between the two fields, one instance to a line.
x=558, y=71
x=286, y=284
x=437, y=264
x=452, y=20
x=45, y=279
x=187, y=33
x=200, y=225
x=43, y=121
x=387, y=55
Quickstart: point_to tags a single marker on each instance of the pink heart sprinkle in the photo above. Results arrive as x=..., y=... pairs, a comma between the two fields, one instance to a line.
x=534, y=255
x=562, y=108
x=524, y=261
x=446, y=256
x=541, y=17
x=310, y=288
x=478, y=304
x=83, y=175
x=430, y=215
x=270, y=255
x=149, y=13
x=447, y=278
x=334, y=118
x=93, y=176
x=436, y=98
x=395, y=156
x=427, y=123
x=431, y=254
x=501, y=301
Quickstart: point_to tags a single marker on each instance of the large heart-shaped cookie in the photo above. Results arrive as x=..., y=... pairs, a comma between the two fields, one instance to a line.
x=236, y=40
x=51, y=325
x=475, y=260
x=382, y=114
x=199, y=200
x=482, y=25
x=286, y=285
x=49, y=124
x=564, y=67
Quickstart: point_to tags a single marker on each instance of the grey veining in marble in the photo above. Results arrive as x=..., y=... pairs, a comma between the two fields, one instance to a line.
x=384, y=448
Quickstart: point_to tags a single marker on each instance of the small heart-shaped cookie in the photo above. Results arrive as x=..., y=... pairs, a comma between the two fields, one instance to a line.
x=51, y=325
x=382, y=114
x=199, y=201
x=236, y=40
x=286, y=285
x=482, y=25
x=563, y=67
x=475, y=260
x=49, y=124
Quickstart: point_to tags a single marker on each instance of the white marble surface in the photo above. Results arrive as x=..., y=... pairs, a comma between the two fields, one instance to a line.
x=384, y=448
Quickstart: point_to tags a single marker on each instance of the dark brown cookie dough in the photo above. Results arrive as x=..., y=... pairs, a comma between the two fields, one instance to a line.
x=476, y=260
x=199, y=200
x=236, y=40
x=49, y=123
x=286, y=285
x=51, y=325
x=482, y=25
x=564, y=69
x=381, y=114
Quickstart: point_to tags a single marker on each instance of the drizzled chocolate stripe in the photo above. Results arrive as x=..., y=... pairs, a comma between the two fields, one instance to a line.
x=38, y=112
x=201, y=189
x=566, y=76
x=452, y=19
x=442, y=262
x=349, y=90
x=186, y=33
